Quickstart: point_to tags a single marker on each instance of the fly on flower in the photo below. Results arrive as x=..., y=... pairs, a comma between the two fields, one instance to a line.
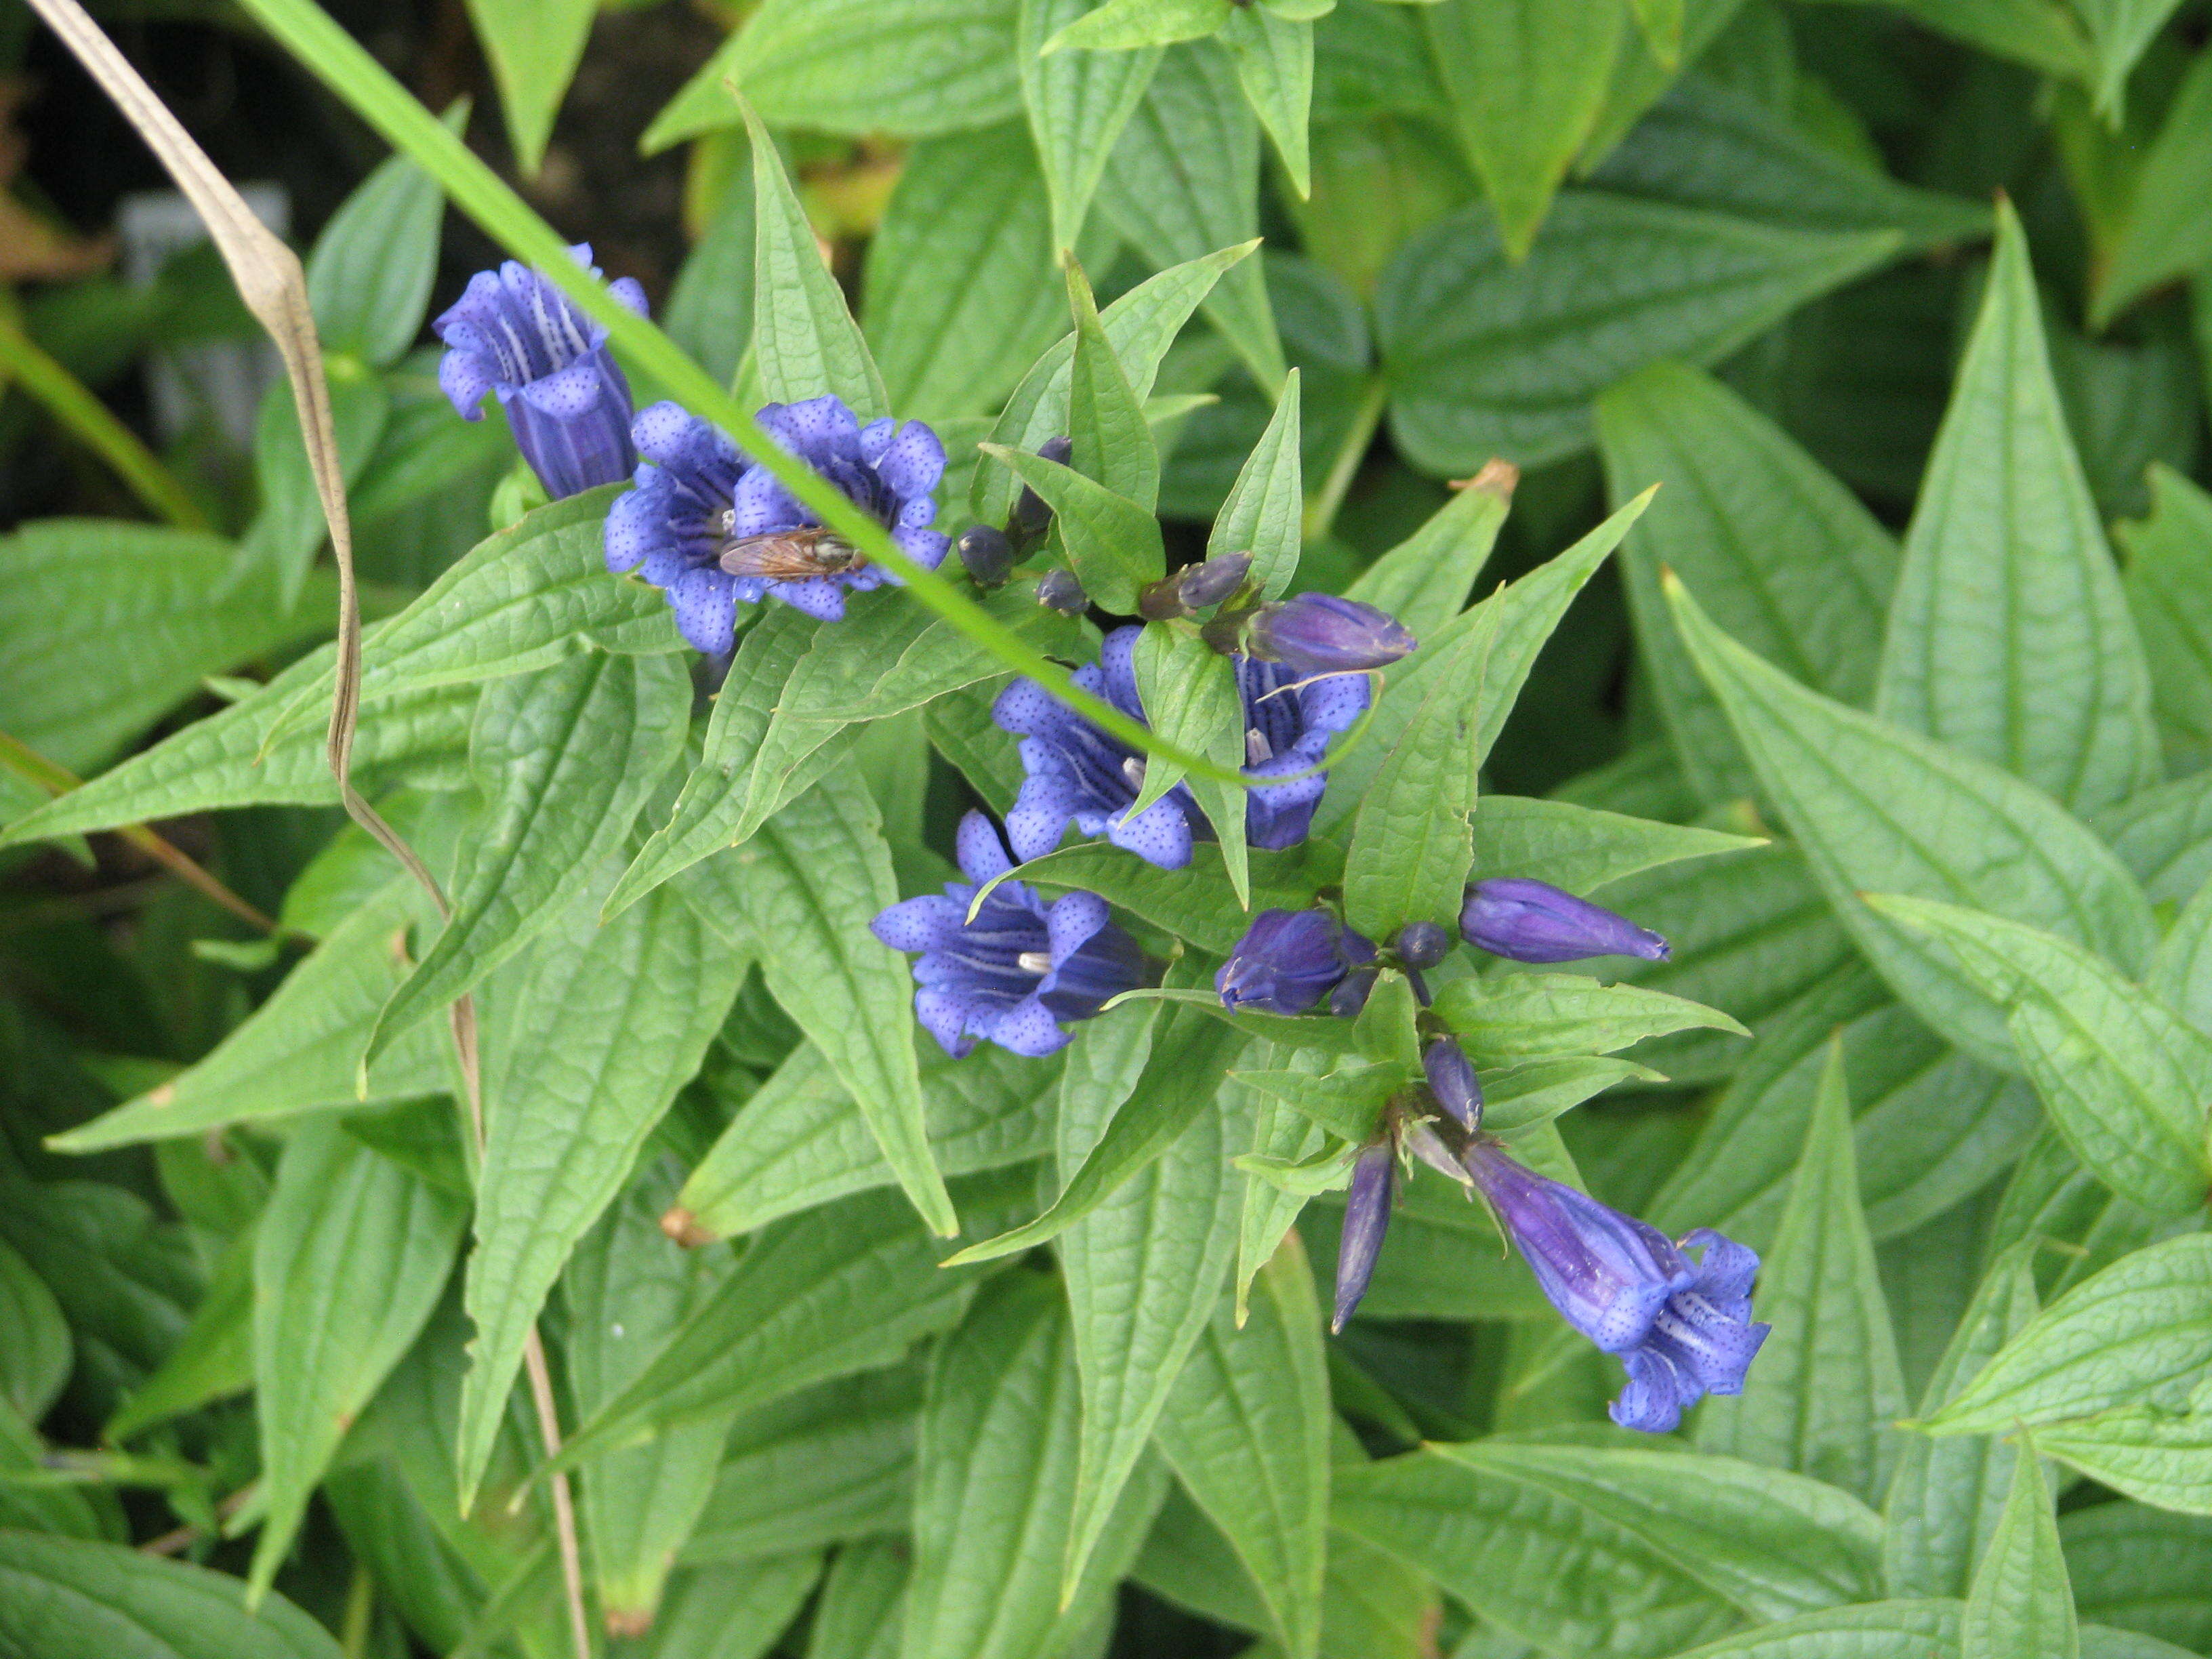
x=788, y=555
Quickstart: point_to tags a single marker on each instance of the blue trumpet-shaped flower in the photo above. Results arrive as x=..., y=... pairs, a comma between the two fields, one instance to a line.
x=1532, y=920
x=1017, y=970
x=1289, y=960
x=1682, y=1328
x=715, y=529
x=1076, y=771
x=1288, y=724
x=513, y=333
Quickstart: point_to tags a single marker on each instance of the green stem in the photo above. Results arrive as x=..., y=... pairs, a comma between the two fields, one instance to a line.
x=343, y=65
x=67, y=399
x=1320, y=510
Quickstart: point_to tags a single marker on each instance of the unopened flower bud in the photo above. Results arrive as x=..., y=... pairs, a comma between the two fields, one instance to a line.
x=1349, y=998
x=1453, y=1082
x=1289, y=960
x=1422, y=943
x=1030, y=515
x=1530, y=920
x=1325, y=633
x=1200, y=585
x=1058, y=590
x=1366, y=1218
x=1161, y=601
x=987, y=554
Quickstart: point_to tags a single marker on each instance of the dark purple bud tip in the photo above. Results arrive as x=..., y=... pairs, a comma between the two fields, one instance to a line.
x=1422, y=943
x=1057, y=450
x=1030, y=515
x=1366, y=1220
x=1289, y=960
x=1058, y=590
x=987, y=554
x=1349, y=998
x=1203, y=585
x=1532, y=920
x=1453, y=1082
x=1325, y=633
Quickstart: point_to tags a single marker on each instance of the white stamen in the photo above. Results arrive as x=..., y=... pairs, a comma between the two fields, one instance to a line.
x=727, y=519
x=1257, y=747
x=1035, y=962
x=1134, y=770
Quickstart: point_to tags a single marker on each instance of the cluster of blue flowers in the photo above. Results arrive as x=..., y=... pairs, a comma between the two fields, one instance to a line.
x=714, y=529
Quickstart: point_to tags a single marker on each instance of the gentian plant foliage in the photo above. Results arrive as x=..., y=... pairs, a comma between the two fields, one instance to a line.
x=1372, y=856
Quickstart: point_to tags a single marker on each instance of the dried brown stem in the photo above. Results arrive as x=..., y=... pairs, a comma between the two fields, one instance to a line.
x=274, y=290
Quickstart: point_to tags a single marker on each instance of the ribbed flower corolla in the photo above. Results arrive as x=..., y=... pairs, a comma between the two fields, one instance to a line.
x=716, y=530
x=1682, y=1326
x=1021, y=967
x=1366, y=1220
x=1289, y=960
x=514, y=334
x=1532, y=920
x=1287, y=732
x=1326, y=634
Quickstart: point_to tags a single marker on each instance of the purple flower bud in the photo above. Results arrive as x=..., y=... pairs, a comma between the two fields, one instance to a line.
x=1366, y=1218
x=1534, y=921
x=513, y=333
x=1031, y=516
x=1289, y=960
x=1422, y=943
x=1349, y=998
x=1453, y=1082
x=1208, y=584
x=1058, y=590
x=1683, y=1329
x=1325, y=634
x=987, y=554
x=1017, y=970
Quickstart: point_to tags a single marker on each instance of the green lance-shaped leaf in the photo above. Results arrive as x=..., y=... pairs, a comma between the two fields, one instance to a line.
x=2009, y=638
x=1526, y=83
x=565, y=758
x=1884, y=1630
x=849, y=66
x=1522, y=1016
x=1247, y=1433
x=69, y=1598
x=348, y=1260
x=38, y=1356
x=212, y=1360
x=801, y=1141
x=1184, y=178
x=1144, y=1271
x=1112, y=542
x=1190, y=1053
x=1263, y=513
x=959, y=287
x=729, y=1610
x=587, y=1036
x=1876, y=809
x=2125, y=1079
x=825, y=1464
x=1686, y=1546
x=846, y=1288
x=2150, y=1456
x=1424, y=580
x=232, y=758
x=2139, y=1568
x=1411, y=842
x=811, y=881
x=2140, y=1331
x=1139, y=326
x=2020, y=1600
x=2168, y=582
x=369, y=276
x=70, y=589
x=2167, y=231
x=994, y=1483
x=1825, y=1386
x=626, y=1290
x=1190, y=697
x=1274, y=57
x=1347, y=1102
x=1130, y=25
x=1461, y=328
x=1077, y=102
x=1945, y=1495
x=1113, y=445
x=1795, y=567
x=300, y=1050
x=521, y=599
x=863, y=1597
x=1581, y=848
x=534, y=49
x=804, y=341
